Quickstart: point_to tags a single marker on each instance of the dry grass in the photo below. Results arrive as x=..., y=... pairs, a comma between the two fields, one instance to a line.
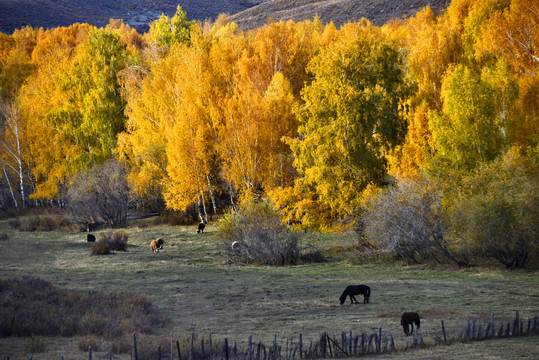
x=190, y=281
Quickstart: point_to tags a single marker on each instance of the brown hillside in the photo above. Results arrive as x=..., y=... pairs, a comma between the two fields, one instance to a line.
x=15, y=14
x=338, y=11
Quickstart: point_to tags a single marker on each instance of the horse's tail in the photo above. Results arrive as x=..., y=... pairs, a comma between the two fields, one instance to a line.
x=418, y=321
x=368, y=293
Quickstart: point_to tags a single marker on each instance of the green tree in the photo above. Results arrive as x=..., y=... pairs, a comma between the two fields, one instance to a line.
x=94, y=113
x=167, y=31
x=352, y=116
x=497, y=210
x=466, y=133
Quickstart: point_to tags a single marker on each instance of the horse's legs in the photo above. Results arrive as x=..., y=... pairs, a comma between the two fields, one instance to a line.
x=353, y=298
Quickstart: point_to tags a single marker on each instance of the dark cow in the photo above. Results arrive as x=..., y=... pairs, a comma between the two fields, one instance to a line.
x=201, y=227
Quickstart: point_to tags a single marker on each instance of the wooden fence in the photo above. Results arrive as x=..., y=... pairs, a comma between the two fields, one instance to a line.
x=344, y=345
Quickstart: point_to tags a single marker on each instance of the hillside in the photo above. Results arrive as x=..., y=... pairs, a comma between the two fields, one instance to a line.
x=53, y=13
x=247, y=13
x=338, y=11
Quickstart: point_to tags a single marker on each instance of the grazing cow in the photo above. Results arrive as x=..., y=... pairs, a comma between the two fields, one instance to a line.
x=157, y=245
x=201, y=227
x=90, y=238
x=409, y=318
x=92, y=225
x=352, y=290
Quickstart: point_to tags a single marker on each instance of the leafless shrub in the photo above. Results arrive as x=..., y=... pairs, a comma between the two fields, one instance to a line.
x=102, y=192
x=407, y=219
x=110, y=241
x=262, y=237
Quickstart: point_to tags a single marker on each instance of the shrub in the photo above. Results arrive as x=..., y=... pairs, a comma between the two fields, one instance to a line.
x=407, y=219
x=496, y=213
x=262, y=237
x=117, y=240
x=110, y=241
x=100, y=247
x=33, y=306
x=85, y=343
x=36, y=344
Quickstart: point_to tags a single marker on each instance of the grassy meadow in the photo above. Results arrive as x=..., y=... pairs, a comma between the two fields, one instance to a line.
x=190, y=281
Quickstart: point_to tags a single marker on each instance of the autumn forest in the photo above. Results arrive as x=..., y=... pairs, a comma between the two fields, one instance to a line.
x=422, y=134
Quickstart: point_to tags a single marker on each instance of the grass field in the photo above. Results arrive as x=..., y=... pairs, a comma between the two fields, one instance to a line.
x=190, y=281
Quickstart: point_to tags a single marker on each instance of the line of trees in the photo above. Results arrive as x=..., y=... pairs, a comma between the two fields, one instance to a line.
x=316, y=119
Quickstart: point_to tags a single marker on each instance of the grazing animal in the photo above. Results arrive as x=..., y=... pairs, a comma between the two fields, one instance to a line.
x=90, y=238
x=352, y=290
x=92, y=225
x=201, y=227
x=157, y=245
x=407, y=319
x=236, y=246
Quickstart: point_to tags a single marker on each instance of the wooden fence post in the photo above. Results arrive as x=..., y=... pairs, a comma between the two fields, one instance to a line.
x=443, y=331
x=225, y=347
x=179, y=350
x=379, y=342
x=492, y=324
x=202, y=349
x=516, y=324
x=300, y=346
x=159, y=352
x=191, y=348
x=171, y=345
x=135, y=345
x=89, y=353
x=415, y=335
x=211, y=349
x=350, y=343
x=110, y=354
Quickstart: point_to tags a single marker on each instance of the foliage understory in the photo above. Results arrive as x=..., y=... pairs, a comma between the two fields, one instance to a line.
x=33, y=307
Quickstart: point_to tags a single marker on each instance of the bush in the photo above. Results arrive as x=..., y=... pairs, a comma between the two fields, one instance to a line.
x=36, y=344
x=408, y=220
x=262, y=237
x=34, y=307
x=85, y=343
x=100, y=247
x=110, y=241
x=43, y=223
x=496, y=213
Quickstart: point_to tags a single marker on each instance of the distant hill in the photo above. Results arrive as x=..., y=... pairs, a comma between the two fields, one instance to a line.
x=247, y=13
x=48, y=14
x=338, y=11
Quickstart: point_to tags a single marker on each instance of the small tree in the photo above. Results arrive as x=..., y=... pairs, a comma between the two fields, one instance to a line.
x=498, y=212
x=101, y=193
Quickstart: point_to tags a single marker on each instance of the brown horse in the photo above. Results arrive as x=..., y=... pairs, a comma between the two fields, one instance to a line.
x=407, y=319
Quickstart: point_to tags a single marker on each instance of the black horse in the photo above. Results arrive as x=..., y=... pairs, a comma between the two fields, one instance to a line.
x=409, y=318
x=352, y=290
